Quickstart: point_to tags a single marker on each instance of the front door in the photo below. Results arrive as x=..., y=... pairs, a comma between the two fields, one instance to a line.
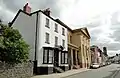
x=56, y=59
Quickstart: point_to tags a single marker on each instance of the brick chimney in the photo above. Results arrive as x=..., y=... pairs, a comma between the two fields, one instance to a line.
x=27, y=8
x=47, y=11
x=105, y=50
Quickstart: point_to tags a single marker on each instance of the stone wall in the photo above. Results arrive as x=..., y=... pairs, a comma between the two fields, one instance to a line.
x=24, y=70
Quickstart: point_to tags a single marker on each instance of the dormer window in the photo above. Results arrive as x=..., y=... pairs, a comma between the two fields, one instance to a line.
x=56, y=27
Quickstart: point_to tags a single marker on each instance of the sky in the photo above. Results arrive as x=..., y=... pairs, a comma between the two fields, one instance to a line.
x=101, y=17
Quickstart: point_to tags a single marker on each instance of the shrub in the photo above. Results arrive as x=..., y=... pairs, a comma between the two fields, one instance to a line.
x=13, y=49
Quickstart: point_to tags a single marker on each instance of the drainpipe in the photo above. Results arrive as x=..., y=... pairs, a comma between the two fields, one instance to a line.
x=35, y=58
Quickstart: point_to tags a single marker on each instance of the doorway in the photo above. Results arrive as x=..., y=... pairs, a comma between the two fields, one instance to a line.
x=56, y=59
x=74, y=57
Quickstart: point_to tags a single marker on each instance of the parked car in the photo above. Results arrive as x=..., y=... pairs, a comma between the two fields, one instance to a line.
x=95, y=65
x=104, y=63
x=109, y=63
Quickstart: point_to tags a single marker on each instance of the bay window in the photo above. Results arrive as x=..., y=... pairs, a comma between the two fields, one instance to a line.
x=47, y=56
x=64, y=57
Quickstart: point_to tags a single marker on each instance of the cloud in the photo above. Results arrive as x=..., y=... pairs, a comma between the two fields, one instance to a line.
x=12, y=6
x=115, y=18
x=102, y=17
x=55, y=5
x=5, y=14
x=116, y=35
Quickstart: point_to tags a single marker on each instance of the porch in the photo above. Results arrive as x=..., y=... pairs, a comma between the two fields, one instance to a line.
x=73, y=57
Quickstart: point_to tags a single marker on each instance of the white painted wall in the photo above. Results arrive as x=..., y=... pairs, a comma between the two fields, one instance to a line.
x=27, y=26
x=43, y=30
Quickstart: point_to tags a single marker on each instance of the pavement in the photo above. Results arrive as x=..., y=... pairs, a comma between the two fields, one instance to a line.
x=63, y=75
x=110, y=71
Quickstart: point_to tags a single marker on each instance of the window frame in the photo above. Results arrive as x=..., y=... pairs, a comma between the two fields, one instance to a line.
x=47, y=40
x=47, y=24
x=63, y=43
x=48, y=52
x=56, y=28
x=63, y=31
x=63, y=57
x=70, y=39
x=55, y=41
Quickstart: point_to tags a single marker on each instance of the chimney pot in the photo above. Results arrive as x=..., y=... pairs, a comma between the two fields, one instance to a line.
x=47, y=11
x=27, y=8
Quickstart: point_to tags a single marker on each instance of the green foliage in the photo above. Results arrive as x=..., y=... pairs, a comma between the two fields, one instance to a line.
x=13, y=49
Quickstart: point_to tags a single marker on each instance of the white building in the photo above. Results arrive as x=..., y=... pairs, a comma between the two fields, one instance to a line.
x=47, y=38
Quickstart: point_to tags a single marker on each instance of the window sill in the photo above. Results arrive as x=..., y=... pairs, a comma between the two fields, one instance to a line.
x=56, y=31
x=47, y=26
x=47, y=63
x=63, y=34
x=47, y=42
x=64, y=63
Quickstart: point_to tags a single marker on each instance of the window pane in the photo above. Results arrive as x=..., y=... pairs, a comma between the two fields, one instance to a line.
x=66, y=56
x=56, y=41
x=56, y=27
x=63, y=43
x=50, y=60
x=62, y=57
x=63, y=31
x=47, y=38
x=50, y=56
x=45, y=56
x=47, y=22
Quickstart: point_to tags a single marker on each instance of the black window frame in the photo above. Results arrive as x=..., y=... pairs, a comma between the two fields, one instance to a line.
x=63, y=31
x=63, y=57
x=47, y=40
x=47, y=24
x=48, y=52
x=56, y=28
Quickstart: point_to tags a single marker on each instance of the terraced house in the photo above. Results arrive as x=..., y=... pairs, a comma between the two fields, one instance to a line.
x=79, y=55
x=47, y=38
x=54, y=46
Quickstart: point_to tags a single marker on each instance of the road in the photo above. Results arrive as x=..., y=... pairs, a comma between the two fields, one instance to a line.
x=110, y=71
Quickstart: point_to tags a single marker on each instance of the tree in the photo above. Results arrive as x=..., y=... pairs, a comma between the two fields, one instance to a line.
x=13, y=49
